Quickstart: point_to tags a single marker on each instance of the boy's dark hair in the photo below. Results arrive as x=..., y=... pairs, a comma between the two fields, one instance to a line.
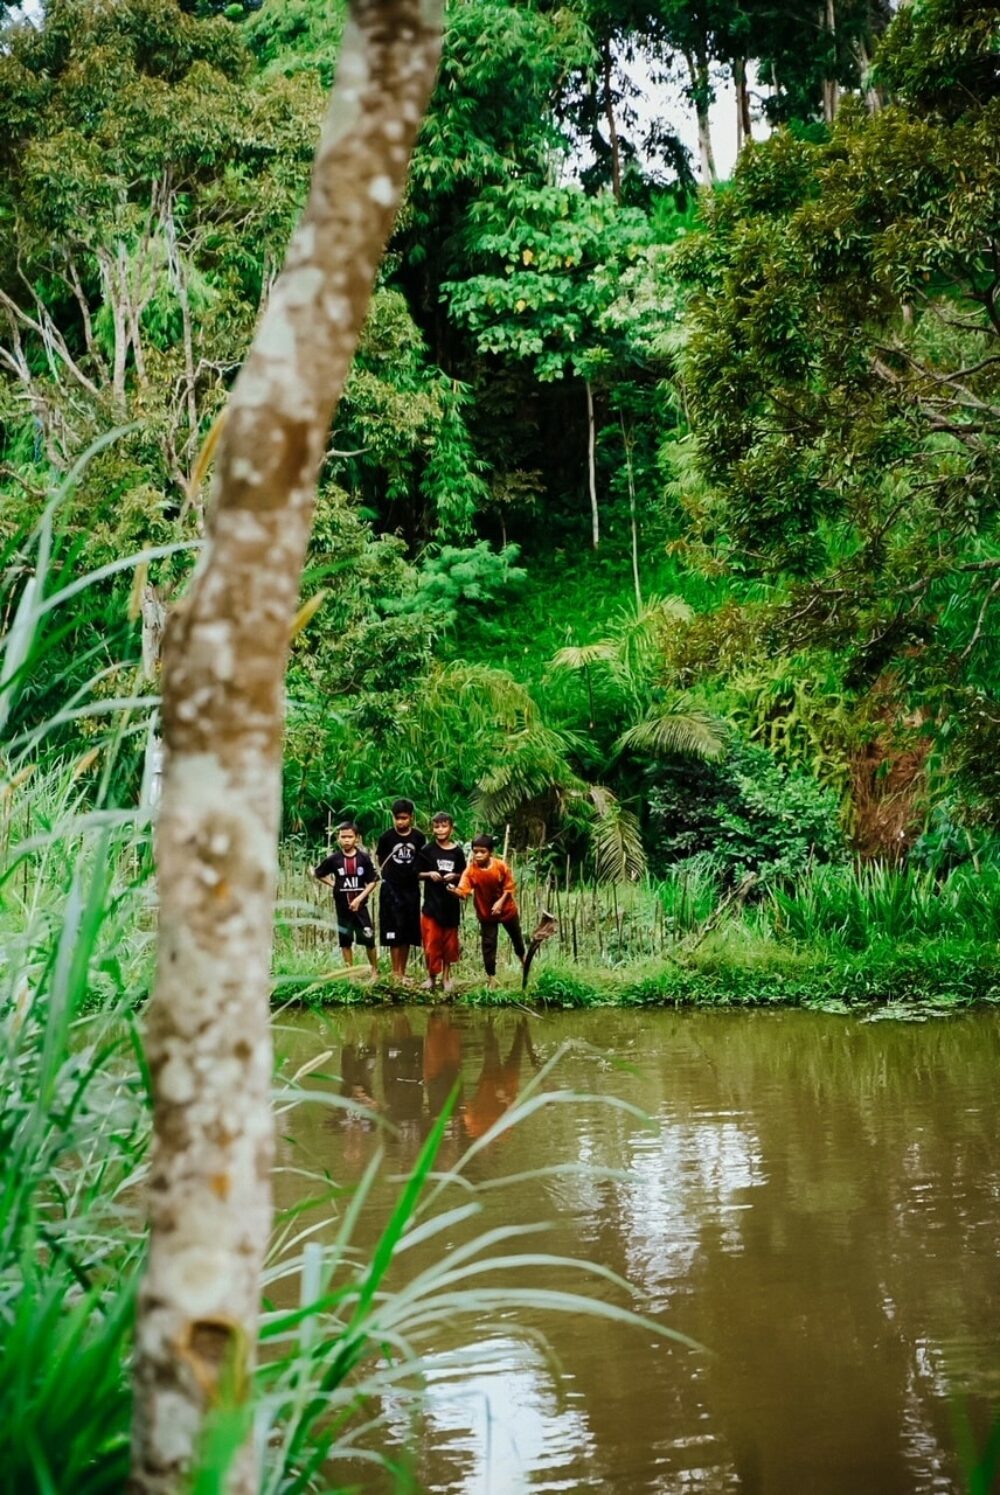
x=348, y=825
x=403, y=807
x=486, y=841
x=441, y=817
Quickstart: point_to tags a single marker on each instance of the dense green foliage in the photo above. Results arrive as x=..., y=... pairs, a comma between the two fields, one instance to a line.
x=776, y=399
x=775, y=402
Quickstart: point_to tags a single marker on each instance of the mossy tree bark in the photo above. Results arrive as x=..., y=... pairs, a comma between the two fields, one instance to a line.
x=208, y=1032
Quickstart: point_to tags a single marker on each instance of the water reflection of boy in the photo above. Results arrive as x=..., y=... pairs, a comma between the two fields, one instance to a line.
x=499, y=1082
x=442, y=1061
x=403, y=1072
x=357, y=1076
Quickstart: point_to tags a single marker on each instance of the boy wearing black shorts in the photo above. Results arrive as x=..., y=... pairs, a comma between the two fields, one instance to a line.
x=352, y=876
x=399, y=898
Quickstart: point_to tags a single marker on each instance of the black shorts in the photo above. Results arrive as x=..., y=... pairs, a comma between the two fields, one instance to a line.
x=399, y=914
x=355, y=925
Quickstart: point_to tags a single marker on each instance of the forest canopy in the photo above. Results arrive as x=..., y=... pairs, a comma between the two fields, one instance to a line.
x=648, y=493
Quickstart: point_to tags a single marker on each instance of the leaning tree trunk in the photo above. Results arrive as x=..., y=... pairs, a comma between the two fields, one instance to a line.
x=208, y=1035
x=609, y=111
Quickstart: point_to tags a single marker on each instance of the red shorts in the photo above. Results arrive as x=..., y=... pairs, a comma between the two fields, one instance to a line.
x=440, y=945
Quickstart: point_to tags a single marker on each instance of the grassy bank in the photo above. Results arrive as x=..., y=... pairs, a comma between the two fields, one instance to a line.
x=842, y=937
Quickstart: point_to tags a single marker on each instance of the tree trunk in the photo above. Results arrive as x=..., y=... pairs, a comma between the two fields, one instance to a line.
x=208, y=1034
x=595, y=524
x=633, y=513
x=609, y=110
x=744, y=128
x=831, y=92
x=874, y=97
x=701, y=92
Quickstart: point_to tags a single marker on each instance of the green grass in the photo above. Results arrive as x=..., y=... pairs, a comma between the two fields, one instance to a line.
x=847, y=935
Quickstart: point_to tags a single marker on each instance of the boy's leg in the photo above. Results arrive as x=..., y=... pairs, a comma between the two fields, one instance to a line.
x=345, y=936
x=430, y=942
x=364, y=932
x=409, y=922
x=513, y=928
x=488, y=929
x=449, y=955
x=388, y=918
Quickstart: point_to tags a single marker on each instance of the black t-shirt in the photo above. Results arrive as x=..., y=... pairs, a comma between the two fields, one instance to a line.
x=397, y=857
x=351, y=874
x=439, y=904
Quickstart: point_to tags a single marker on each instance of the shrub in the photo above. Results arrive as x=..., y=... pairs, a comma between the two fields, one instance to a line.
x=749, y=812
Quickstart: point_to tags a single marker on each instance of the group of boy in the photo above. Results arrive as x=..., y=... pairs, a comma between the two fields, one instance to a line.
x=407, y=864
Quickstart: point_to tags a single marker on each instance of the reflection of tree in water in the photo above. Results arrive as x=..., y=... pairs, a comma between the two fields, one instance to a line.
x=499, y=1081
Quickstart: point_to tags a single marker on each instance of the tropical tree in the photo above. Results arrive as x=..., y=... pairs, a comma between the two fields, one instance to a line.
x=841, y=375
x=208, y=1034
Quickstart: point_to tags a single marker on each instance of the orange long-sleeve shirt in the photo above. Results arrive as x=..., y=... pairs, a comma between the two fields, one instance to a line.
x=486, y=884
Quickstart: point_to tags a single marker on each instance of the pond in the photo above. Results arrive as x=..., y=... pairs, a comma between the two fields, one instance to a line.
x=815, y=1200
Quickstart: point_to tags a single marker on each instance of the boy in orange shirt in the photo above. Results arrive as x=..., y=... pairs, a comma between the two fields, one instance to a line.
x=491, y=883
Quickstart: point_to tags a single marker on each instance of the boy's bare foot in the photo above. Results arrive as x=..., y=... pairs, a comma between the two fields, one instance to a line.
x=491, y=983
x=449, y=985
x=427, y=985
x=372, y=977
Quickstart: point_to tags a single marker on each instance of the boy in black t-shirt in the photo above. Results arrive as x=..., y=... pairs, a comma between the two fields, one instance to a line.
x=399, y=898
x=352, y=875
x=441, y=863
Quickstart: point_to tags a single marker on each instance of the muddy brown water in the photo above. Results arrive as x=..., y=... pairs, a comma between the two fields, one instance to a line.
x=815, y=1200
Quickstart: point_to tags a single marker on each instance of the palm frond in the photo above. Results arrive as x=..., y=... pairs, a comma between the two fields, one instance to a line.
x=614, y=838
x=533, y=761
x=690, y=733
x=582, y=656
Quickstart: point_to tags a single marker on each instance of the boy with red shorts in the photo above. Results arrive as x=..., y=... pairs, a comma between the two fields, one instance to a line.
x=491, y=882
x=441, y=863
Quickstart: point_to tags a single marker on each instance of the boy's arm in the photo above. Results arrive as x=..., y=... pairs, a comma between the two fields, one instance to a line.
x=380, y=852
x=366, y=891
x=322, y=871
x=464, y=884
x=507, y=886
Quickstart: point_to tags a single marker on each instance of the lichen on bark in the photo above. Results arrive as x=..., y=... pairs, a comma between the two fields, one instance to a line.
x=208, y=1031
